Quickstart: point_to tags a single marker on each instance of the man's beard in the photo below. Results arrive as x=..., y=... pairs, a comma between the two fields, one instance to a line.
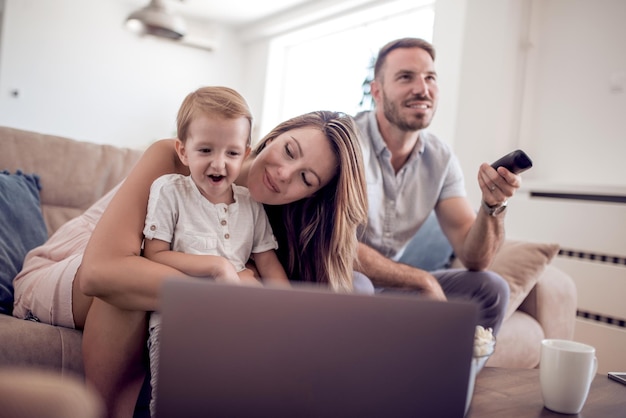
x=411, y=124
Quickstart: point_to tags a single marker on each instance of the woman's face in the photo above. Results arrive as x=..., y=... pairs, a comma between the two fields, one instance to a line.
x=292, y=166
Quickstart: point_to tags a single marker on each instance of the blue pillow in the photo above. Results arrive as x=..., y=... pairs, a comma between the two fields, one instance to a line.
x=429, y=249
x=22, y=228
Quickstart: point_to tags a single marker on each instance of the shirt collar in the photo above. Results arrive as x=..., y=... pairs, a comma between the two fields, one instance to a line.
x=377, y=139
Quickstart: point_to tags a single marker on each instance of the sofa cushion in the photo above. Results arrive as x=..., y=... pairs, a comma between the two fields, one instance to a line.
x=429, y=249
x=35, y=344
x=521, y=263
x=22, y=228
x=517, y=343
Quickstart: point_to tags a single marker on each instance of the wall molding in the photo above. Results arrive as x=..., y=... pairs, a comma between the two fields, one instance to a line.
x=597, y=257
x=606, y=320
x=581, y=196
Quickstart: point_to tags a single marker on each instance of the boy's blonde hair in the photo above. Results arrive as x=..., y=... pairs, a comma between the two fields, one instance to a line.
x=212, y=101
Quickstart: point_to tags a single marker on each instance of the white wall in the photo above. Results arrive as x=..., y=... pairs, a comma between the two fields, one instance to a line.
x=575, y=107
x=448, y=40
x=255, y=66
x=547, y=76
x=484, y=64
x=79, y=73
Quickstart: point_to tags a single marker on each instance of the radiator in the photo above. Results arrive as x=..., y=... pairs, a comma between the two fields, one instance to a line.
x=589, y=223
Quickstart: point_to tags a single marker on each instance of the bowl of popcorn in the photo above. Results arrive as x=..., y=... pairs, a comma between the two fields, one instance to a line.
x=484, y=346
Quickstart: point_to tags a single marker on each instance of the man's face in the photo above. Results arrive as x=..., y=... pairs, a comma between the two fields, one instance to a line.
x=406, y=89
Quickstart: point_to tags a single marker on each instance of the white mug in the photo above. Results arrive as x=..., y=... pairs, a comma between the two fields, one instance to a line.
x=566, y=371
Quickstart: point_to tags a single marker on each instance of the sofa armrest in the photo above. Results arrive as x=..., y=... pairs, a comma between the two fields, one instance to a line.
x=552, y=302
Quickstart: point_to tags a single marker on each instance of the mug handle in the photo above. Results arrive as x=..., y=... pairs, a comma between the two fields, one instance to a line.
x=594, y=370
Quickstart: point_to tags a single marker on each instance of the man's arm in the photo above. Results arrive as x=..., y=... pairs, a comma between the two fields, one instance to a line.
x=384, y=272
x=474, y=237
x=477, y=237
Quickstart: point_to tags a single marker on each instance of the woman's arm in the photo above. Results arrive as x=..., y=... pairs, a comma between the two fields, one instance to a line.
x=270, y=269
x=113, y=268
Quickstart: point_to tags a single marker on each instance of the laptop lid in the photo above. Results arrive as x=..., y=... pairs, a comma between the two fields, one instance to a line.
x=237, y=351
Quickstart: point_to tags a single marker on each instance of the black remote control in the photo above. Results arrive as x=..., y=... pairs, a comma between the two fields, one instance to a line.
x=516, y=162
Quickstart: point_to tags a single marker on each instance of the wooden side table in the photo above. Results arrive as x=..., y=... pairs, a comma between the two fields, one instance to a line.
x=516, y=393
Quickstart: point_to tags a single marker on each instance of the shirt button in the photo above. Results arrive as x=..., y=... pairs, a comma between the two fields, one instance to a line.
x=152, y=227
x=223, y=222
x=226, y=236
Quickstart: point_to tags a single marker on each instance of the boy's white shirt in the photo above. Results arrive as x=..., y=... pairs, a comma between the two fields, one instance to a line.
x=179, y=214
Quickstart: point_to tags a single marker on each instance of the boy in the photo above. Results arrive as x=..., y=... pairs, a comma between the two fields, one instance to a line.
x=203, y=224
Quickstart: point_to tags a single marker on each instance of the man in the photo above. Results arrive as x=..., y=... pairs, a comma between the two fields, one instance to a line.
x=410, y=172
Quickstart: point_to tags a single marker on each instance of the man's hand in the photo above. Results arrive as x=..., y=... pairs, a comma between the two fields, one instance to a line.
x=497, y=186
x=433, y=290
x=387, y=273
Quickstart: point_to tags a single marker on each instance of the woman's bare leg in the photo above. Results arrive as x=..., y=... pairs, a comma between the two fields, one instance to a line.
x=113, y=352
x=80, y=306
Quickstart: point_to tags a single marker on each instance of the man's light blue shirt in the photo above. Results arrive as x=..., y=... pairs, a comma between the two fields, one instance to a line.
x=399, y=203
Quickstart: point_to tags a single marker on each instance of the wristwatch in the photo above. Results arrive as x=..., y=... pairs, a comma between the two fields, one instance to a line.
x=494, y=210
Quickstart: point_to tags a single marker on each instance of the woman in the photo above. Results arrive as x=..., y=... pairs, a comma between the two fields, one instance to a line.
x=309, y=173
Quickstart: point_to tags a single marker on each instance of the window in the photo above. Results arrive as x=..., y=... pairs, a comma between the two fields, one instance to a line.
x=323, y=67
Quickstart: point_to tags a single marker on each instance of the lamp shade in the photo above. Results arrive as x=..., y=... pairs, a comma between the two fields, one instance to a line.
x=154, y=19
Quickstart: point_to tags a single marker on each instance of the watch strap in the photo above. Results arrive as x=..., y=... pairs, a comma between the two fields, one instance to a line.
x=494, y=210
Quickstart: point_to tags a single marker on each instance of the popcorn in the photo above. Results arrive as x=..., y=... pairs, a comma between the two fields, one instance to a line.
x=483, y=341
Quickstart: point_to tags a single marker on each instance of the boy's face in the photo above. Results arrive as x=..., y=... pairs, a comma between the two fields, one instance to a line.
x=214, y=151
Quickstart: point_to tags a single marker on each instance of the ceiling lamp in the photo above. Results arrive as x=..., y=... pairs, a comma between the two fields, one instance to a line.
x=155, y=19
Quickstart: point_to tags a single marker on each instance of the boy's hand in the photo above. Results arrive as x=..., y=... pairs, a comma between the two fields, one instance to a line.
x=226, y=272
x=247, y=277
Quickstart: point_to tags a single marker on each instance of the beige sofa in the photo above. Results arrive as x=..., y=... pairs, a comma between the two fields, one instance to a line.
x=74, y=174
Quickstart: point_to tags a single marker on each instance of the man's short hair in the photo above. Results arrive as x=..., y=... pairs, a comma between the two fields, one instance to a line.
x=401, y=43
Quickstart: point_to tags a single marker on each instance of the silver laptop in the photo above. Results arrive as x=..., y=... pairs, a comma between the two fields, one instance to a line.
x=235, y=351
